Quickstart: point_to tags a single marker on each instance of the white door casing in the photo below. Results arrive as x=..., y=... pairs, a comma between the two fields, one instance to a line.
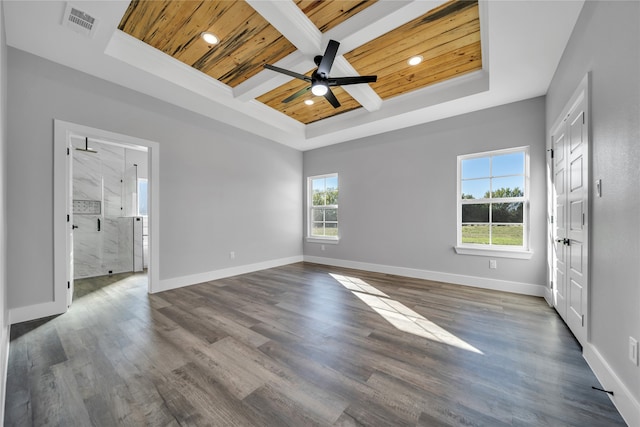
x=63, y=237
x=69, y=203
x=559, y=233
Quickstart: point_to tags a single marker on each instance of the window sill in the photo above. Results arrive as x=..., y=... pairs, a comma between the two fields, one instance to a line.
x=324, y=240
x=500, y=253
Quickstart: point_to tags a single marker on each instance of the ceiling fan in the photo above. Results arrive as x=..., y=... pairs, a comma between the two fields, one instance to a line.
x=320, y=81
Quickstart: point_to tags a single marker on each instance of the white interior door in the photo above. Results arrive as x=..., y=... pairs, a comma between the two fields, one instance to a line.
x=570, y=236
x=577, y=203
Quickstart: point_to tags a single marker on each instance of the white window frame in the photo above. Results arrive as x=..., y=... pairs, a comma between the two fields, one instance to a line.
x=320, y=239
x=504, y=251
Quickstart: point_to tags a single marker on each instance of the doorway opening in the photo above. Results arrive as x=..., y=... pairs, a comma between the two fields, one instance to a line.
x=109, y=223
x=105, y=207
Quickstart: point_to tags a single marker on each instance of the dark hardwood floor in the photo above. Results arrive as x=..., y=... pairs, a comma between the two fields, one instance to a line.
x=301, y=345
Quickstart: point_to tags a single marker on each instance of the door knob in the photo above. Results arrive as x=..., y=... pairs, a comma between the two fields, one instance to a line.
x=74, y=227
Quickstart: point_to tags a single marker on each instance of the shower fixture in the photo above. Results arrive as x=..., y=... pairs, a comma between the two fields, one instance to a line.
x=86, y=147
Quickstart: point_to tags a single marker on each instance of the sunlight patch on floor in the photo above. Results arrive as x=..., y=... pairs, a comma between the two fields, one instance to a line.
x=399, y=315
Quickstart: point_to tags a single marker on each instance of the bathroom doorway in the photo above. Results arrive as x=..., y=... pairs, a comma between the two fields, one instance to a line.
x=106, y=203
x=109, y=207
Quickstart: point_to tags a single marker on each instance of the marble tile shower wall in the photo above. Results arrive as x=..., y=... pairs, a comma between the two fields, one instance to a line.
x=103, y=239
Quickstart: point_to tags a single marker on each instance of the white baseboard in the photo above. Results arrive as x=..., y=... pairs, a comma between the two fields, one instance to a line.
x=193, y=279
x=622, y=398
x=36, y=311
x=458, y=279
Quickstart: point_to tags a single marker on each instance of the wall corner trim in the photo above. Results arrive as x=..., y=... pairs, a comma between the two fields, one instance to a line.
x=194, y=279
x=623, y=400
x=457, y=279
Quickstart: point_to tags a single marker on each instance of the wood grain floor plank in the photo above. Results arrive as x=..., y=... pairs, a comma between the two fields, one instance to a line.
x=314, y=400
x=300, y=345
x=279, y=409
x=220, y=406
x=136, y=400
x=18, y=401
x=230, y=327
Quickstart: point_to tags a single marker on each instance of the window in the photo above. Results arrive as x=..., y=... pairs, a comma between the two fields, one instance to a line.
x=323, y=207
x=493, y=201
x=142, y=196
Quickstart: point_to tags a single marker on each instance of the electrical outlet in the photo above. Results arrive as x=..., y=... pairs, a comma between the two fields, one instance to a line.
x=493, y=263
x=232, y=255
x=633, y=350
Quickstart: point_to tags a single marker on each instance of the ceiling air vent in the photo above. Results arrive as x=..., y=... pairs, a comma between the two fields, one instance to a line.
x=79, y=21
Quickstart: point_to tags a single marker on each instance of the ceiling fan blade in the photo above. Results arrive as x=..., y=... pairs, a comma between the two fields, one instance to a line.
x=332, y=99
x=327, y=59
x=296, y=95
x=341, y=81
x=287, y=72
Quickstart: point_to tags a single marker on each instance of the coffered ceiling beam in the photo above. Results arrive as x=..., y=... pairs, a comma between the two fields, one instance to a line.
x=292, y=23
x=296, y=27
x=362, y=93
x=268, y=80
x=376, y=20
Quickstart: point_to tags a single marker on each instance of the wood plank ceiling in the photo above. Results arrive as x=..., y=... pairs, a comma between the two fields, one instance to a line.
x=447, y=37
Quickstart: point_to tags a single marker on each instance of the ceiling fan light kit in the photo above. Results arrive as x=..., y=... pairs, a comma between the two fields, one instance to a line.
x=320, y=80
x=319, y=88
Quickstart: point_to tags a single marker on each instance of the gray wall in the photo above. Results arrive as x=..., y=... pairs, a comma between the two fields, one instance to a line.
x=4, y=321
x=606, y=41
x=221, y=189
x=398, y=192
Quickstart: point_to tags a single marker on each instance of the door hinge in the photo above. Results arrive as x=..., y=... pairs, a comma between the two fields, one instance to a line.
x=551, y=284
x=67, y=217
x=68, y=152
x=551, y=151
x=582, y=218
x=582, y=320
x=68, y=285
x=551, y=219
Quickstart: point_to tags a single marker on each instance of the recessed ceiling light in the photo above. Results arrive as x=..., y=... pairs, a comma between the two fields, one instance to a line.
x=209, y=37
x=309, y=101
x=415, y=60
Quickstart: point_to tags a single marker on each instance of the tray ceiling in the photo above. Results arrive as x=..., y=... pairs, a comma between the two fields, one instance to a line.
x=247, y=40
x=447, y=37
x=477, y=55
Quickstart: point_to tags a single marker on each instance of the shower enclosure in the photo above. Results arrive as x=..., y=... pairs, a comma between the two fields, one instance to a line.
x=107, y=227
